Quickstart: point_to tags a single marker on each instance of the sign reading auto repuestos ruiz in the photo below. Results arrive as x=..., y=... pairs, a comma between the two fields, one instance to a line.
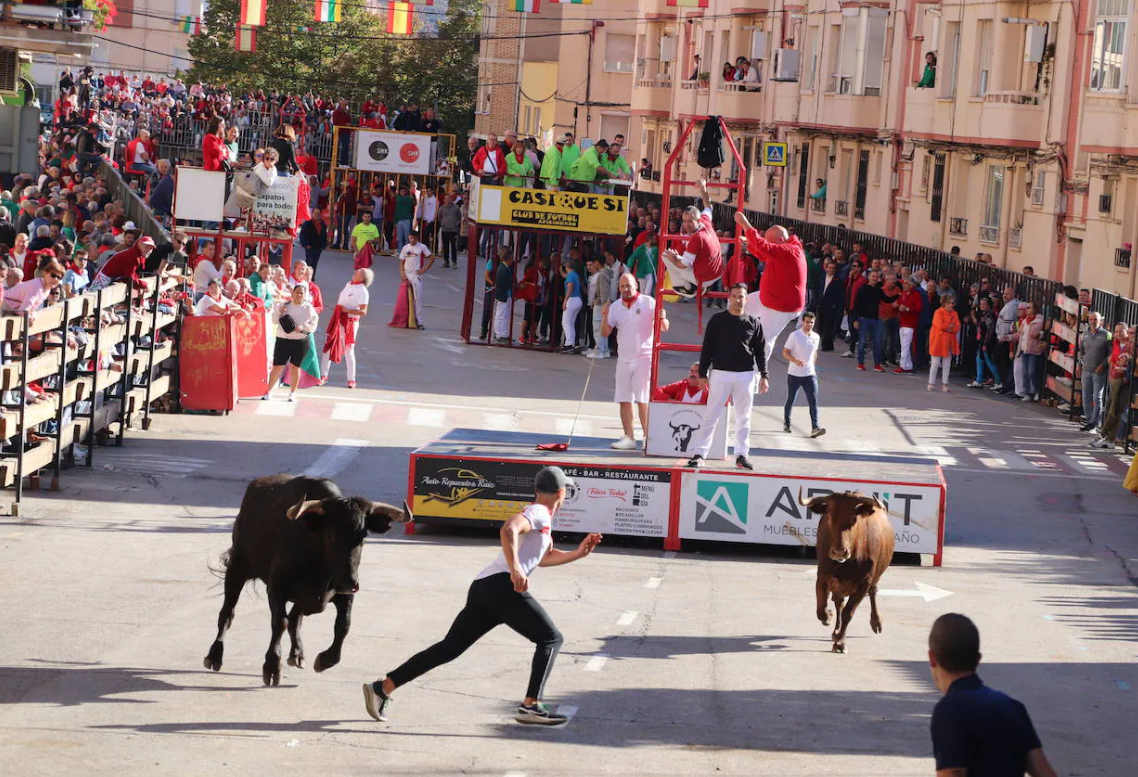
x=605, y=499
x=393, y=152
x=594, y=214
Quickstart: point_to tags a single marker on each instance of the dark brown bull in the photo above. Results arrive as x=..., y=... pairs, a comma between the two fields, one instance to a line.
x=303, y=539
x=855, y=547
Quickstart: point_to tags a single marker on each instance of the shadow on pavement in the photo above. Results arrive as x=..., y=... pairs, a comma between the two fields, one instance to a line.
x=72, y=685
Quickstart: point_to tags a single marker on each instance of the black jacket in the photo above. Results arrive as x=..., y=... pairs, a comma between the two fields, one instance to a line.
x=311, y=237
x=868, y=300
x=834, y=295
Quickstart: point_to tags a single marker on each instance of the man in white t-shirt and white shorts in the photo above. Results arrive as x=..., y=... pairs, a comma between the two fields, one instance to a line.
x=500, y=594
x=801, y=354
x=633, y=317
x=414, y=261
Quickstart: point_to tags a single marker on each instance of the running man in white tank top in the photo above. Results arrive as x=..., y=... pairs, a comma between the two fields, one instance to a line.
x=500, y=594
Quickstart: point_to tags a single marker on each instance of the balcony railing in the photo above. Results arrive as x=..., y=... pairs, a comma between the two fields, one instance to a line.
x=657, y=81
x=842, y=208
x=612, y=66
x=817, y=205
x=695, y=86
x=859, y=212
x=958, y=226
x=50, y=14
x=1122, y=258
x=990, y=235
x=740, y=86
x=1012, y=98
x=1015, y=238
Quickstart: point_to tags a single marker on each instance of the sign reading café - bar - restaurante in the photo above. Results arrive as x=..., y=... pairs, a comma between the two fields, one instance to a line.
x=518, y=208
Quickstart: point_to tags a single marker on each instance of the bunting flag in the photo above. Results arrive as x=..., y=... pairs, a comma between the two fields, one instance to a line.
x=328, y=10
x=688, y=3
x=301, y=28
x=421, y=2
x=399, y=17
x=252, y=13
x=192, y=25
x=590, y=2
x=527, y=6
x=246, y=38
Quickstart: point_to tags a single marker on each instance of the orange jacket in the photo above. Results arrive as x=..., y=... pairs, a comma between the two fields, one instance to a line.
x=942, y=337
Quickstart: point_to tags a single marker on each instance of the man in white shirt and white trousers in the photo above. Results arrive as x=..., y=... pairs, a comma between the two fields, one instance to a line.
x=633, y=317
x=412, y=267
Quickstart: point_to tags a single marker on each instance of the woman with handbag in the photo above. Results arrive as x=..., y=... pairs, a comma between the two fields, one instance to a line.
x=295, y=319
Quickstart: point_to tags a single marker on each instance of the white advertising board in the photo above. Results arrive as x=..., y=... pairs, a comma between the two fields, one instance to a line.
x=199, y=195
x=765, y=509
x=616, y=501
x=393, y=152
x=674, y=427
x=275, y=207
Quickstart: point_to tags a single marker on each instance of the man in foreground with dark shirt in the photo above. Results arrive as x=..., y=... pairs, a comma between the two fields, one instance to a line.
x=977, y=731
x=733, y=350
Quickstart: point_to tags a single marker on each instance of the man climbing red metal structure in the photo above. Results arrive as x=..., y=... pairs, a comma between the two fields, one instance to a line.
x=733, y=271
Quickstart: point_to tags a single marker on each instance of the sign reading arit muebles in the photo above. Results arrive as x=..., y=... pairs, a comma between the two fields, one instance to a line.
x=765, y=510
x=632, y=502
x=380, y=151
x=518, y=208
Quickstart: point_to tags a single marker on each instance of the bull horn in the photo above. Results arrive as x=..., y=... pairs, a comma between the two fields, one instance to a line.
x=805, y=502
x=393, y=513
x=877, y=501
x=304, y=506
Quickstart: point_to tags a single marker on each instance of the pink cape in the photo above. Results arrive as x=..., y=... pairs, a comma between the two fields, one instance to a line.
x=404, y=314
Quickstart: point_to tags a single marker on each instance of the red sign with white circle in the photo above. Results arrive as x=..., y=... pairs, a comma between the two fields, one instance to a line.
x=409, y=153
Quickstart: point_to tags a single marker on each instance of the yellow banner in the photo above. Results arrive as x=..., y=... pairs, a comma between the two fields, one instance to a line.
x=517, y=208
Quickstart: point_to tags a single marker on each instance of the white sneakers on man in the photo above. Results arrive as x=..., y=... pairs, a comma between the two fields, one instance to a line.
x=624, y=444
x=1102, y=443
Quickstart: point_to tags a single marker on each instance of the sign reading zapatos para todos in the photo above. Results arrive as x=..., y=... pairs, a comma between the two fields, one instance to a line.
x=517, y=208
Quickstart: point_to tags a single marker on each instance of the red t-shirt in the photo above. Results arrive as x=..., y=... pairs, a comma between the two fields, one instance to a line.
x=783, y=285
x=704, y=244
x=678, y=391
x=123, y=265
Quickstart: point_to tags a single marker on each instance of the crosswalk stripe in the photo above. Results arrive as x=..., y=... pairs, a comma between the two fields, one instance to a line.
x=426, y=416
x=500, y=421
x=349, y=411
x=274, y=408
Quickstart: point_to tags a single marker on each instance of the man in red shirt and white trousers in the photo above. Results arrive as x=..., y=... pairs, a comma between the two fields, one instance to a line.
x=701, y=264
x=782, y=289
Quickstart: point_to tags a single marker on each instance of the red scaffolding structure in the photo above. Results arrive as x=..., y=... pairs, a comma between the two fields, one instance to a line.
x=733, y=272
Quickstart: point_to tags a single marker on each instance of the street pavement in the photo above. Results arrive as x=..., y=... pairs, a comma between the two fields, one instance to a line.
x=705, y=661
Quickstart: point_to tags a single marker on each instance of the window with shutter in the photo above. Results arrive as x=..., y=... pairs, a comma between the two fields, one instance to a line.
x=619, y=53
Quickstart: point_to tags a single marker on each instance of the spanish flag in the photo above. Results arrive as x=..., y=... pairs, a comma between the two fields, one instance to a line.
x=252, y=13
x=328, y=10
x=192, y=25
x=527, y=6
x=688, y=3
x=246, y=38
x=399, y=17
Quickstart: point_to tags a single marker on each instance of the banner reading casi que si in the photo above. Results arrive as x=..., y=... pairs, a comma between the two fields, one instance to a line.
x=596, y=214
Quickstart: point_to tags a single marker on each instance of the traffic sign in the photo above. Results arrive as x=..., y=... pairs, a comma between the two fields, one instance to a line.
x=774, y=154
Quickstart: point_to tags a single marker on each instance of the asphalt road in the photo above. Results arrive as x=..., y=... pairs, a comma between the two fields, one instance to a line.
x=708, y=661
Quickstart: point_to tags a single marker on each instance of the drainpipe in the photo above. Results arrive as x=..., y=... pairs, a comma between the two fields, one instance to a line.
x=1070, y=150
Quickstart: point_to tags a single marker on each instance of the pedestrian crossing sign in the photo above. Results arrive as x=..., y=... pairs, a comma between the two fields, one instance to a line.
x=774, y=154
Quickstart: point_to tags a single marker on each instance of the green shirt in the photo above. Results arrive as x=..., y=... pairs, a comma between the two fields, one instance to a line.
x=517, y=172
x=642, y=262
x=552, y=167
x=617, y=167
x=261, y=288
x=569, y=155
x=12, y=208
x=364, y=233
x=404, y=207
x=585, y=168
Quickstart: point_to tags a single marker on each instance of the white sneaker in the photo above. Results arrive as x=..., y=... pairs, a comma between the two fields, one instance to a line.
x=624, y=444
x=587, y=352
x=1102, y=443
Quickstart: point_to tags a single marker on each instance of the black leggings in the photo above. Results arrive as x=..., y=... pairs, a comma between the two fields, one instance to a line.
x=491, y=602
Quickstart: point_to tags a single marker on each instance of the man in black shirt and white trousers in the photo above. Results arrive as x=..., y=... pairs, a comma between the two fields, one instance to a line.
x=733, y=351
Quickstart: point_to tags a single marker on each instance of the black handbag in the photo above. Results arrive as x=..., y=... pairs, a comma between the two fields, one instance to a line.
x=287, y=324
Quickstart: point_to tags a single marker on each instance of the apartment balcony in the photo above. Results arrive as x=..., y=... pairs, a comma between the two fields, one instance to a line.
x=818, y=206
x=1015, y=238
x=990, y=236
x=702, y=87
x=1109, y=120
x=46, y=28
x=839, y=109
x=652, y=91
x=999, y=115
x=736, y=101
x=842, y=208
x=958, y=227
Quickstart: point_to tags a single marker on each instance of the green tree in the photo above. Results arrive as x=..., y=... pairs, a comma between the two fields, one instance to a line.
x=354, y=58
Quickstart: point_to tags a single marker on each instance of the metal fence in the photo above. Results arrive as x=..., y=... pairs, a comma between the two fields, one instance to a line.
x=960, y=271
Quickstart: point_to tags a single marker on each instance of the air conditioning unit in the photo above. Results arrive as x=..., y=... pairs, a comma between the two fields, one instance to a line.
x=1034, y=42
x=1104, y=203
x=758, y=45
x=785, y=65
